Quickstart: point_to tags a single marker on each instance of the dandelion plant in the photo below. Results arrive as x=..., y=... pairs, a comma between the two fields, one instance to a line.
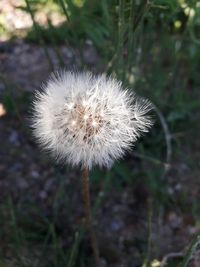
x=87, y=120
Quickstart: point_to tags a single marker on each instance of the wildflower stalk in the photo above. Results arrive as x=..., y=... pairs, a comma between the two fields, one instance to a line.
x=38, y=32
x=88, y=214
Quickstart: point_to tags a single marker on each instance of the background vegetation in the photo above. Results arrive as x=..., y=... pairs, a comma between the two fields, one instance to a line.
x=153, y=47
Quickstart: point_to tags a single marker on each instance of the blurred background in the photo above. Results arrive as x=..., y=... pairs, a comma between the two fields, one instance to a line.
x=147, y=207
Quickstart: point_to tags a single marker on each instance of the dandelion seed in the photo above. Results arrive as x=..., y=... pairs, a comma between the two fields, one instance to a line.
x=85, y=117
x=94, y=123
x=70, y=105
x=88, y=120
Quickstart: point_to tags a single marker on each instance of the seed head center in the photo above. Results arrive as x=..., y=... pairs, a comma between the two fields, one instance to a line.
x=86, y=121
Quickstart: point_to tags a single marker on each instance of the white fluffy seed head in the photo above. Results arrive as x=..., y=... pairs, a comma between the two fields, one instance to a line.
x=88, y=120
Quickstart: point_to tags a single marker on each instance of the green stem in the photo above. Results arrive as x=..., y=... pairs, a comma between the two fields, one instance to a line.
x=79, y=235
x=120, y=40
x=190, y=251
x=37, y=30
x=88, y=215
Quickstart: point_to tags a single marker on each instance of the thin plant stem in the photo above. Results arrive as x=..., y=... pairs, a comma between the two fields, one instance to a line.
x=130, y=36
x=63, y=3
x=172, y=255
x=120, y=39
x=79, y=235
x=190, y=251
x=149, y=243
x=37, y=30
x=167, y=138
x=55, y=48
x=88, y=214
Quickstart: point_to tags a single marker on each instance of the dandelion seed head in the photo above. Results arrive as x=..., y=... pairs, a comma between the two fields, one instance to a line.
x=88, y=120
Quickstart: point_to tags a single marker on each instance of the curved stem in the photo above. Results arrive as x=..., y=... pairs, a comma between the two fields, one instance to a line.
x=88, y=214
